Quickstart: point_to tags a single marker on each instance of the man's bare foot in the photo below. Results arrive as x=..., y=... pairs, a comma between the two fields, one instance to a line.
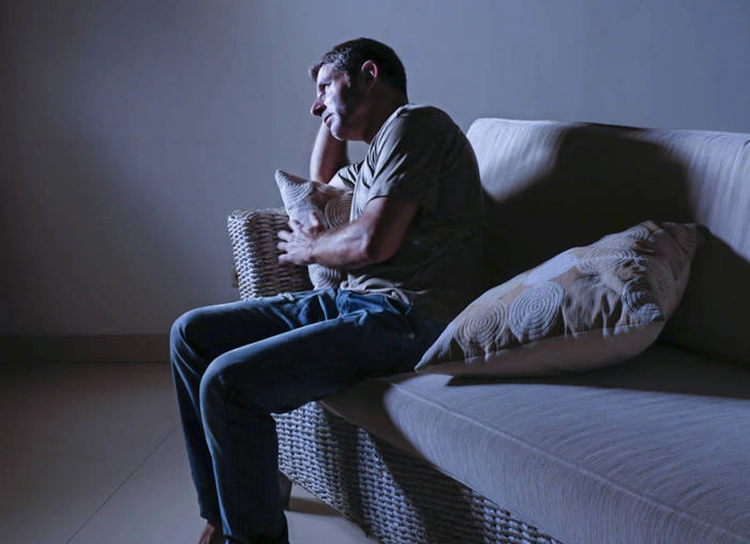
x=211, y=535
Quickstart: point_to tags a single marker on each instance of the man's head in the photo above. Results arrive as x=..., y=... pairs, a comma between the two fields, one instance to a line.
x=359, y=84
x=350, y=56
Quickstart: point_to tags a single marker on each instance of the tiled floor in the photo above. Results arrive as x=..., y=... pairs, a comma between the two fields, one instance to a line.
x=92, y=453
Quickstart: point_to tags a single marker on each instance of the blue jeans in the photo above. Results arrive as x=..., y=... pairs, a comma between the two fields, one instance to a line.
x=236, y=364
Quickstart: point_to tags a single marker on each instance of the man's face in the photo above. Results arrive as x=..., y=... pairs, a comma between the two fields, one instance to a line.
x=340, y=103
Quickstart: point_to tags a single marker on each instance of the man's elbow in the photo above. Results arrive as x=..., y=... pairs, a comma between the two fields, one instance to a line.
x=375, y=251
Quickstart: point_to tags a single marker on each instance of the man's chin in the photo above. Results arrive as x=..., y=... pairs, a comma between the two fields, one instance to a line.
x=343, y=135
x=337, y=134
x=337, y=131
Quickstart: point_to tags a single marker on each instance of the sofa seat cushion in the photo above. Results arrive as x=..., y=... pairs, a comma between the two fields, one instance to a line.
x=654, y=450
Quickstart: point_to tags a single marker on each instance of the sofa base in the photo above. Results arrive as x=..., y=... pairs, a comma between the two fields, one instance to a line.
x=395, y=498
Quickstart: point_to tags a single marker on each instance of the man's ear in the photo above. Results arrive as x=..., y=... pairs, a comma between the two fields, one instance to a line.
x=369, y=73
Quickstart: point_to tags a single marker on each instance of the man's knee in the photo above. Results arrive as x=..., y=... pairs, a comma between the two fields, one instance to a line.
x=185, y=338
x=212, y=390
x=185, y=327
x=177, y=333
x=243, y=388
x=220, y=391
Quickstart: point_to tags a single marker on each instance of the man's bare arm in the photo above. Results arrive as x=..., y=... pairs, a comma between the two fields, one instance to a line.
x=373, y=237
x=328, y=155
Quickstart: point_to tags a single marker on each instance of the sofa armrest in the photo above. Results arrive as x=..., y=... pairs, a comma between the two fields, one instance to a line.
x=254, y=237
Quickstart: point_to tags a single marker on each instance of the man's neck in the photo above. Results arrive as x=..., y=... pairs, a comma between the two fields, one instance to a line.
x=386, y=106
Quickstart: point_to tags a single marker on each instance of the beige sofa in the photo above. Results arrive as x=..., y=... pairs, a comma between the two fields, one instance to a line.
x=655, y=449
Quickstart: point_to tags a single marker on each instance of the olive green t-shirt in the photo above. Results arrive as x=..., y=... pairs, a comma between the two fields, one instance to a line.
x=420, y=155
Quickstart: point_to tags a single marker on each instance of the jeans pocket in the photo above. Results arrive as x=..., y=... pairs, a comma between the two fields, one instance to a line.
x=397, y=305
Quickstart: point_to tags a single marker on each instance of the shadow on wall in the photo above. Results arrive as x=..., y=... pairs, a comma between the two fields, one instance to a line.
x=603, y=180
x=6, y=121
x=5, y=244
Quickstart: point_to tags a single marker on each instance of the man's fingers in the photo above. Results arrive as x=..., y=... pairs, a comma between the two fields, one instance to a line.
x=295, y=244
x=295, y=224
x=314, y=221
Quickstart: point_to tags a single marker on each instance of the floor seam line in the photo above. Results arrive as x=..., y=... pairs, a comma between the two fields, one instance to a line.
x=121, y=484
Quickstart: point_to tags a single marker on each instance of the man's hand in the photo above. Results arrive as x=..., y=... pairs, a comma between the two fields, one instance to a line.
x=297, y=244
x=373, y=237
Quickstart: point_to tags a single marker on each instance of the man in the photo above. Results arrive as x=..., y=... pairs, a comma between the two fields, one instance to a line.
x=412, y=253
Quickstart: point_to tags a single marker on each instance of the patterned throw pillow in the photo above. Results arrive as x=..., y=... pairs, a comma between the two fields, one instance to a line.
x=330, y=205
x=587, y=307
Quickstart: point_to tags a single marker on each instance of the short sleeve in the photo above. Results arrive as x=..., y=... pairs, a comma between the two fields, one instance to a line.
x=407, y=157
x=348, y=174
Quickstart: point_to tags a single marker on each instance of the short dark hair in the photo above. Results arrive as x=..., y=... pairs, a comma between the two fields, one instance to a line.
x=351, y=55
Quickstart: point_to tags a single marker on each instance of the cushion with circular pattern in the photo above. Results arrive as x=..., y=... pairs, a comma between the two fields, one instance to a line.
x=330, y=205
x=585, y=308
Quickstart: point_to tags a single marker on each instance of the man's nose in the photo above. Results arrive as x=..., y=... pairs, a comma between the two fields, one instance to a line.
x=317, y=107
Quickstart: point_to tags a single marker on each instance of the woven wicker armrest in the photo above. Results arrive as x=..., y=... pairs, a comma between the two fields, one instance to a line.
x=254, y=237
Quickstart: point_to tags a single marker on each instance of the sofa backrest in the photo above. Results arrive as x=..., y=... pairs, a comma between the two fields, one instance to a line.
x=550, y=186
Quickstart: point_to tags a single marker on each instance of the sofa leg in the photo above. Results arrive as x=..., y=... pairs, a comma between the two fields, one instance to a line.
x=285, y=486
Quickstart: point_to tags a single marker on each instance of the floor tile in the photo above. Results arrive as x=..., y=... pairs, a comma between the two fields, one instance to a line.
x=313, y=522
x=70, y=435
x=155, y=505
x=92, y=453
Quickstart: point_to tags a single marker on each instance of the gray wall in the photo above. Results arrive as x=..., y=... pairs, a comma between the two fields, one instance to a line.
x=131, y=129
